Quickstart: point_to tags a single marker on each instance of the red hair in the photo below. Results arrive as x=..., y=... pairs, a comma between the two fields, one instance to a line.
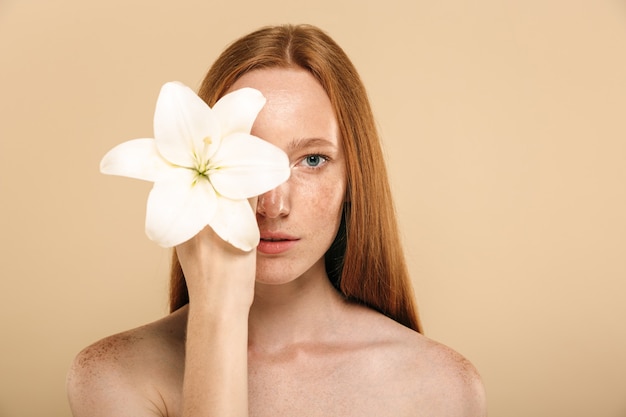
x=366, y=261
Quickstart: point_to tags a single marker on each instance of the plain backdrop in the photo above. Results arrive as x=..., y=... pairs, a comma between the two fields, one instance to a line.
x=504, y=126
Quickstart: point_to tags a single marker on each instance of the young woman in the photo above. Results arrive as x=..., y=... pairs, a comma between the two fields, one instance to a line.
x=319, y=320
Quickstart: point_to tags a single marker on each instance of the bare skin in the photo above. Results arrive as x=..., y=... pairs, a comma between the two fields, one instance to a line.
x=265, y=333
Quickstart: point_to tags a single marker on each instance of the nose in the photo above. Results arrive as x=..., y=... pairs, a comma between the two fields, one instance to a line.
x=274, y=203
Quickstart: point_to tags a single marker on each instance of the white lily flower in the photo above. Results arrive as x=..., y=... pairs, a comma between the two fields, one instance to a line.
x=204, y=164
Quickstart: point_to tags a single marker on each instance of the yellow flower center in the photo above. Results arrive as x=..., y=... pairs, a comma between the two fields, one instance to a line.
x=202, y=167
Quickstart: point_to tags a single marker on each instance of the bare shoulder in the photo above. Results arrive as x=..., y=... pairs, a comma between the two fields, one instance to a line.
x=452, y=382
x=429, y=378
x=115, y=375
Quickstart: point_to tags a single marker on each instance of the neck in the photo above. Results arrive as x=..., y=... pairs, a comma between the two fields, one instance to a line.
x=300, y=311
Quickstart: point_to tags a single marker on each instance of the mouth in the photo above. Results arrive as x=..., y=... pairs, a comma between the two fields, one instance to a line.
x=275, y=243
x=273, y=239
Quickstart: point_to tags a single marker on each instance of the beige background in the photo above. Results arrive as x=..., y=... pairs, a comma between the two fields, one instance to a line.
x=505, y=130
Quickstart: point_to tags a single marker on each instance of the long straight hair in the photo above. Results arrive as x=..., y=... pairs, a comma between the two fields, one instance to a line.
x=365, y=262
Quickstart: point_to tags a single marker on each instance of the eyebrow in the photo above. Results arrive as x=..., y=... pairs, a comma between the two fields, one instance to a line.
x=300, y=143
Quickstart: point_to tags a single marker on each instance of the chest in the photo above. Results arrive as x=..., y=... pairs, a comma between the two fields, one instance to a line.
x=329, y=386
x=315, y=384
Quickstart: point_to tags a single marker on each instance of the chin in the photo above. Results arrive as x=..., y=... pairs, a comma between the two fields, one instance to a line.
x=271, y=276
x=281, y=271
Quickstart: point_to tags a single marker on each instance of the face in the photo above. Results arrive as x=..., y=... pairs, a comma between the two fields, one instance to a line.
x=299, y=219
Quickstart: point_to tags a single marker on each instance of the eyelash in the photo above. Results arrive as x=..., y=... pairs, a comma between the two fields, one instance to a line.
x=323, y=160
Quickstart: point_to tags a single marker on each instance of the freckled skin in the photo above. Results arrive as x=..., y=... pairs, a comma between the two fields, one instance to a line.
x=310, y=352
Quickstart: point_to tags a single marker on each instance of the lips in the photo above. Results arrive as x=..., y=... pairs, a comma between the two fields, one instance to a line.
x=275, y=243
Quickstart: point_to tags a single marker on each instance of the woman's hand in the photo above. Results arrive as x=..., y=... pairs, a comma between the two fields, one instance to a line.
x=216, y=272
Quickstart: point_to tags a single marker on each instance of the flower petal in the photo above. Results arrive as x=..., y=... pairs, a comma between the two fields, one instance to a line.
x=235, y=222
x=137, y=158
x=236, y=111
x=246, y=166
x=182, y=122
x=178, y=208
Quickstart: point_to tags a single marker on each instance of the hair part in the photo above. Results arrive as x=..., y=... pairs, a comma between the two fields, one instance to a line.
x=365, y=262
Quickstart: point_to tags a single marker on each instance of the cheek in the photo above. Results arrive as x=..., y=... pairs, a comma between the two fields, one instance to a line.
x=323, y=202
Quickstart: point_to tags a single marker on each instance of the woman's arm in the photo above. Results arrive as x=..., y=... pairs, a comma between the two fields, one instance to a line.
x=220, y=280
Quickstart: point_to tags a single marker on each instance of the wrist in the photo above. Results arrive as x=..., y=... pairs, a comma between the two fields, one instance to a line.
x=221, y=304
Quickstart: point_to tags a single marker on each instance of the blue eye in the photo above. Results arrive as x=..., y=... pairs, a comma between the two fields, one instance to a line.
x=314, y=161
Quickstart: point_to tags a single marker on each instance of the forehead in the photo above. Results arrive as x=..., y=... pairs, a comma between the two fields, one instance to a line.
x=297, y=105
x=278, y=84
